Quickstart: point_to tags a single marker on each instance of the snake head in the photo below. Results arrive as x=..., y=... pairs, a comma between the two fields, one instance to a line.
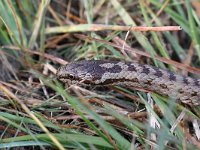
x=86, y=72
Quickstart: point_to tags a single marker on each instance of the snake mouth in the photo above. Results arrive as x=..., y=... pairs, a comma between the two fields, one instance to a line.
x=75, y=80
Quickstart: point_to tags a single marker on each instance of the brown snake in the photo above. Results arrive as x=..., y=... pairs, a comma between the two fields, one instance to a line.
x=99, y=72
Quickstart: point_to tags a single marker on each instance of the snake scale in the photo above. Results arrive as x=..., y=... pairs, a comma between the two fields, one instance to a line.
x=100, y=72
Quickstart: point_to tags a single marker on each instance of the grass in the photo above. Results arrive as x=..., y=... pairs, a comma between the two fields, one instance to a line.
x=38, y=112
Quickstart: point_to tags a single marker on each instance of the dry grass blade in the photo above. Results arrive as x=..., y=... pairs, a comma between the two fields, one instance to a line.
x=100, y=27
x=25, y=108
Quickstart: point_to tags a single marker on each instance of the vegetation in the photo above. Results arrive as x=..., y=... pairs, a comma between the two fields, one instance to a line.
x=39, y=112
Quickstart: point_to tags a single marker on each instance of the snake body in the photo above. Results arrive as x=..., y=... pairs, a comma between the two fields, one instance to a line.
x=99, y=72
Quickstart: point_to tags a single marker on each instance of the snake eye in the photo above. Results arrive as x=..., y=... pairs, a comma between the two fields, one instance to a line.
x=71, y=77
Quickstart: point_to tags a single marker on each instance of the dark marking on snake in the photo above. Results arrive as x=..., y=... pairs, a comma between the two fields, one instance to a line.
x=194, y=94
x=149, y=82
x=180, y=91
x=115, y=69
x=185, y=80
x=196, y=82
x=158, y=72
x=163, y=86
x=131, y=68
x=145, y=70
x=172, y=77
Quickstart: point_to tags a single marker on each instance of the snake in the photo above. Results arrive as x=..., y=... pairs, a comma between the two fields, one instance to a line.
x=180, y=88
